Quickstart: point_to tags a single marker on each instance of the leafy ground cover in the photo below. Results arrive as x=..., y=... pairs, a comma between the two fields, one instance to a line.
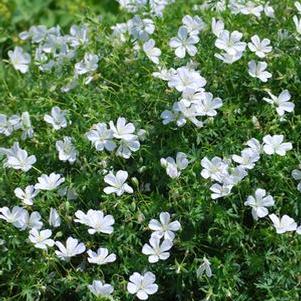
x=251, y=257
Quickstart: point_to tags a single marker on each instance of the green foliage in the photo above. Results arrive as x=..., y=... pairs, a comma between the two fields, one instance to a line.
x=249, y=260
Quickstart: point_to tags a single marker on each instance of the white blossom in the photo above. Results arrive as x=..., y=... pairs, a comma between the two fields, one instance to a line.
x=96, y=221
x=261, y=48
x=27, y=195
x=117, y=183
x=57, y=118
x=157, y=251
x=142, y=285
x=72, y=248
x=275, y=145
x=19, y=59
x=258, y=70
x=98, y=288
x=41, y=239
x=283, y=224
x=50, y=182
x=259, y=202
x=281, y=102
x=101, y=257
x=66, y=150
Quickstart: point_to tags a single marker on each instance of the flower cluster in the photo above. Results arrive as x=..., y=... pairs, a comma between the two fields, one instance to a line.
x=220, y=170
x=121, y=137
x=8, y=124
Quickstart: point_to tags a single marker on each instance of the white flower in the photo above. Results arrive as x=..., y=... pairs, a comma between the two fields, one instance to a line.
x=258, y=70
x=72, y=248
x=260, y=47
x=250, y=8
x=49, y=182
x=96, y=221
x=217, y=27
x=142, y=285
x=25, y=125
x=164, y=228
x=228, y=58
x=173, y=167
x=41, y=239
x=297, y=24
x=141, y=28
x=205, y=267
x=117, y=183
x=27, y=195
x=269, y=10
x=296, y=174
x=208, y=105
x=78, y=35
x=66, y=149
x=14, y=216
x=152, y=52
x=184, y=42
x=283, y=224
x=230, y=42
x=186, y=78
x=254, y=145
x=126, y=147
x=247, y=159
x=32, y=220
x=6, y=125
x=275, y=145
x=100, y=289
x=123, y=130
x=259, y=203
x=298, y=230
x=194, y=24
x=54, y=218
x=88, y=64
x=101, y=256
x=281, y=102
x=19, y=59
x=57, y=118
x=214, y=168
x=220, y=191
x=101, y=137
x=157, y=251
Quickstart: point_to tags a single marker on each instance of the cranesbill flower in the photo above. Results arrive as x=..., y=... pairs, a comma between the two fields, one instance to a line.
x=251, y=8
x=283, y=224
x=140, y=29
x=261, y=48
x=258, y=70
x=98, y=288
x=152, y=52
x=207, y=105
x=194, y=24
x=101, y=257
x=217, y=27
x=220, y=191
x=275, y=145
x=41, y=239
x=142, y=285
x=173, y=167
x=229, y=58
x=50, y=182
x=96, y=221
x=27, y=195
x=230, y=42
x=117, y=183
x=66, y=150
x=73, y=247
x=57, y=118
x=19, y=59
x=123, y=129
x=165, y=227
x=186, y=78
x=54, y=218
x=184, y=43
x=247, y=158
x=101, y=137
x=18, y=158
x=259, y=202
x=88, y=64
x=214, y=168
x=205, y=267
x=14, y=216
x=281, y=102
x=157, y=251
